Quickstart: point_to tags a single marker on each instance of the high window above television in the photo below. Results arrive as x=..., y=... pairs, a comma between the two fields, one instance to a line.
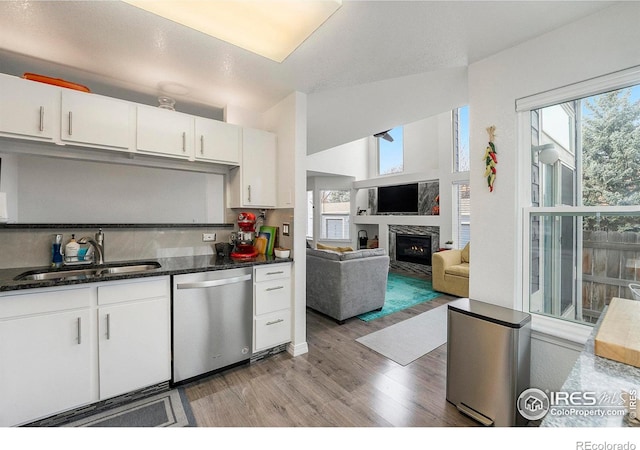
x=398, y=199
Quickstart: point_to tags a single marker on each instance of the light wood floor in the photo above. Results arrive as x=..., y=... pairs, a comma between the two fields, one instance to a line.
x=338, y=383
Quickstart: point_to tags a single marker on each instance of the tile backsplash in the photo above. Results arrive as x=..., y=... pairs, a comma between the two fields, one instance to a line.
x=32, y=247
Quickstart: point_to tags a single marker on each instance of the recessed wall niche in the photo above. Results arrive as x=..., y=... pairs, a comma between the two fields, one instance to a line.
x=428, y=191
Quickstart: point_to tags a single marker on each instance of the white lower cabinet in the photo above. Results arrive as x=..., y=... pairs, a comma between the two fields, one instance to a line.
x=133, y=336
x=271, y=306
x=60, y=349
x=46, y=351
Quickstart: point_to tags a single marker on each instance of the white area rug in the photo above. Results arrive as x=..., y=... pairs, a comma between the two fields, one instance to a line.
x=410, y=339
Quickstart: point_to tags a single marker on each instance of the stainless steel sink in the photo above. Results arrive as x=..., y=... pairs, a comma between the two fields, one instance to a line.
x=130, y=269
x=86, y=272
x=77, y=274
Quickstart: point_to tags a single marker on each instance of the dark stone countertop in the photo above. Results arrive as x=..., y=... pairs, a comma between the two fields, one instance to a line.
x=169, y=266
x=31, y=226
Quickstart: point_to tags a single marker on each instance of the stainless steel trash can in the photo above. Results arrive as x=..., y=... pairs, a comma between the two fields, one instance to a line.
x=488, y=361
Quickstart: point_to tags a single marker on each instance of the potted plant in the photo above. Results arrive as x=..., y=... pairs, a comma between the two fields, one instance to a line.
x=448, y=245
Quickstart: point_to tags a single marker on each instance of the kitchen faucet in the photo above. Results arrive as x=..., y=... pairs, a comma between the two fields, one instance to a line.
x=98, y=245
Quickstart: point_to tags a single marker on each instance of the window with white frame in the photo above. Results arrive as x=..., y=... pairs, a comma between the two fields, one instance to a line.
x=461, y=199
x=335, y=214
x=462, y=214
x=461, y=139
x=309, y=214
x=391, y=151
x=583, y=228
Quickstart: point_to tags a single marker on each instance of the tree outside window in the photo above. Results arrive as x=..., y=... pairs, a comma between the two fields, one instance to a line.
x=309, y=214
x=461, y=139
x=582, y=257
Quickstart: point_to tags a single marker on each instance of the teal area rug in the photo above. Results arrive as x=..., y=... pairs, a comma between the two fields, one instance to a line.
x=402, y=292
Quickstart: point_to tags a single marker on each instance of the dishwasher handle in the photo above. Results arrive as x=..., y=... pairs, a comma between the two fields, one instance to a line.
x=213, y=283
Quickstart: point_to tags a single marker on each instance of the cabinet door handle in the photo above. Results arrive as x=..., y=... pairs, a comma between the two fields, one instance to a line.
x=42, y=118
x=70, y=123
x=79, y=330
x=184, y=141
x=274, y=288
x=276, y=273
x=202, y=144
x=273, y=322
x=108, y=326
x=249, y=193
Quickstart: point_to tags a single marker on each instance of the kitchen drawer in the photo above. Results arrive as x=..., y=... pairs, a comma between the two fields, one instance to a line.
x=272, y=272
x=35, y=301
x=272, y=295
x=272, y=329
x=139, y=289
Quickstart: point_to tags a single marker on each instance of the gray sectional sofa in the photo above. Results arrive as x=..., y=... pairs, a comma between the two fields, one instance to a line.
x=345, y=284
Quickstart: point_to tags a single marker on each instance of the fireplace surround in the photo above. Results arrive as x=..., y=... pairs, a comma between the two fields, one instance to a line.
x=413, y=248
x=410, y=231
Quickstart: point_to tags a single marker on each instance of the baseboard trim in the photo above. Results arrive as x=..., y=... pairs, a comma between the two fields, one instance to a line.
x=297, y=349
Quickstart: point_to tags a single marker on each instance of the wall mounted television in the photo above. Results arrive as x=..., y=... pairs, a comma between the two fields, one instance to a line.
x=398, y=199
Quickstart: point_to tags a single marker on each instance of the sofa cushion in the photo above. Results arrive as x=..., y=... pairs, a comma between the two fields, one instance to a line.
x=465, y=254
x=364, y=253
x=335, y=249
x=325, y=254
x=459, y=270
x=346, y=256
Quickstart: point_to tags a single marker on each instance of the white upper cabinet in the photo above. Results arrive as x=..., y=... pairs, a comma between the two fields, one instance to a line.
x=217, y=141
x=94, y=120
x=254, y=183
x=37, y=111
x=28, y=109
x=164, y=132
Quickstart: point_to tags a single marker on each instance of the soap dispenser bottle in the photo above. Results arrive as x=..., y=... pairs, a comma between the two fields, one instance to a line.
x=56, y=251
x=71, y=249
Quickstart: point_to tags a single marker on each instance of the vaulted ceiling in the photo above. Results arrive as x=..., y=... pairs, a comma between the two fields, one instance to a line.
x=111, y=43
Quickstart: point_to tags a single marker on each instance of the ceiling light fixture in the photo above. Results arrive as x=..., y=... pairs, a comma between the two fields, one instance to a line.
x=271, y=28
x=384, y=135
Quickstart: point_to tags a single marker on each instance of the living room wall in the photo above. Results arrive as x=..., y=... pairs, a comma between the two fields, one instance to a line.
x=427, y=156
x=559, y=58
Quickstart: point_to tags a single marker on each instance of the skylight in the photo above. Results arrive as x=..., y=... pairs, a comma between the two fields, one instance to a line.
x=271, y=28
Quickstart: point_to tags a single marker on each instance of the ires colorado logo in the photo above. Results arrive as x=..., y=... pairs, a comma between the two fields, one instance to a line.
x=534, y=404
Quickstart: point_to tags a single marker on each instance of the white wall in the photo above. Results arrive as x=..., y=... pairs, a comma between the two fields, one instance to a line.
x=422, y=141
x=343, y=115
x=597, y=45
x=9, y=183
x=349, y=159
x=289, y=119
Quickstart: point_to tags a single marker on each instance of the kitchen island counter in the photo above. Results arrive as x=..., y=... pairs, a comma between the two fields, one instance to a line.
x=604, y=379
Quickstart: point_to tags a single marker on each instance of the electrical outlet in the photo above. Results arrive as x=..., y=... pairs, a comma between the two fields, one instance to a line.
x=208, y=237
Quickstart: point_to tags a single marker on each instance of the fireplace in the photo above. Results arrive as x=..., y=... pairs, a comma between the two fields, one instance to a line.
x=414, y=248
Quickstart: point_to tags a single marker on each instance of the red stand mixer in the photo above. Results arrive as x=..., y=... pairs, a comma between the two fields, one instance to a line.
x=243, y=245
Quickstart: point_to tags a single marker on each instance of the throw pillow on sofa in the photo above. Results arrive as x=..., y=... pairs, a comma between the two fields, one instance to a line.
x=335, y=249
x=465, y=253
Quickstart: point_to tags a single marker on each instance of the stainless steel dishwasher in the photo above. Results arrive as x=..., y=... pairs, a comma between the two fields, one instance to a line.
x=212, y=321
